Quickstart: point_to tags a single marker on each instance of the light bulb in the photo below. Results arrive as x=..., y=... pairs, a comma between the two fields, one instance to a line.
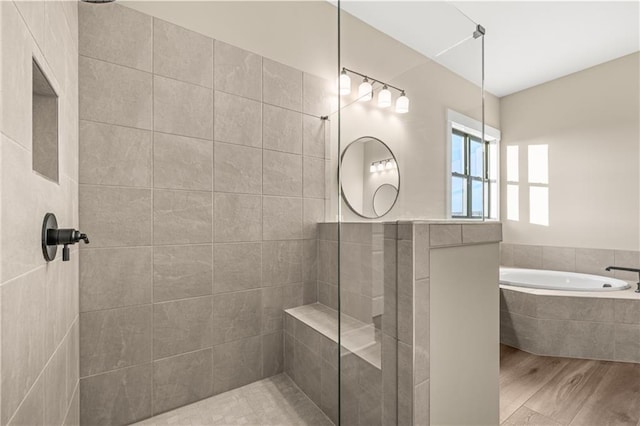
x=365, y=91
x=372, y=168
x=380, y=166
x=402, y=104
x=384, y=98
x=344, y=83
x=389, y=165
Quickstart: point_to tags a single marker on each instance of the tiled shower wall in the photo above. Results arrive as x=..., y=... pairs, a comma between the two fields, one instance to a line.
x=202, y=178
x=570, y=259
x=39, y=310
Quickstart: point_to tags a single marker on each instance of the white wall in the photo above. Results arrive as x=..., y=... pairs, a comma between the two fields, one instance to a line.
x=304, y=34
x=590, y=122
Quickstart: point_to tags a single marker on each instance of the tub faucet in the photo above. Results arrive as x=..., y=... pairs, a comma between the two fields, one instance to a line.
x=620, y=268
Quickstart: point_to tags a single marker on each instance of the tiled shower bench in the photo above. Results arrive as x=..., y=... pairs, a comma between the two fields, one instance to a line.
x=310, y=358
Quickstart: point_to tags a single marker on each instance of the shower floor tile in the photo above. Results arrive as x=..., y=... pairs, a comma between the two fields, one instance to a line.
x=269, y=402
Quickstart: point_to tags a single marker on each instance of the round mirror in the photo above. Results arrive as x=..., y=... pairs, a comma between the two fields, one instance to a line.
x=370, y=177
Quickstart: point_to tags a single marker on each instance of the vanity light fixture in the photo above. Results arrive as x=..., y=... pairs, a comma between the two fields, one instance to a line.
x=402, y=104
x=384, y=97
x=365, y=91
x=344, y=83
x=382, y=165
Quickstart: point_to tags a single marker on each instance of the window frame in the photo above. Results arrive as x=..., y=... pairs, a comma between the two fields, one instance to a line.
x=492, y=149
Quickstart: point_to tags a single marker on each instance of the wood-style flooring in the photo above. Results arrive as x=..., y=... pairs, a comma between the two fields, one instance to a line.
x=540, y=390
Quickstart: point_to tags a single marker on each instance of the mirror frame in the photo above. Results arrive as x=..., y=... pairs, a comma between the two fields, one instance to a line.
x=344, y=196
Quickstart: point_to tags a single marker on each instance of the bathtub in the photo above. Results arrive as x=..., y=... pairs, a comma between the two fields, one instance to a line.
x=556, y=280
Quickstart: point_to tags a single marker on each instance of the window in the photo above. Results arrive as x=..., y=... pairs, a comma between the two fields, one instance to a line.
x=472, y=168
x=473, y=187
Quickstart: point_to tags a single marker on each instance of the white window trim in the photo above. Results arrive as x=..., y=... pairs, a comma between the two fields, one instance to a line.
x=472, y=127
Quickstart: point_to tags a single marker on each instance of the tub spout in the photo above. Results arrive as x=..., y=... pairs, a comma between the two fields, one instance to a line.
x=623, y=268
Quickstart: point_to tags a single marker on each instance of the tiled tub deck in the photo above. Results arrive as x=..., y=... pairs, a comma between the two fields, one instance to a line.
x=604, y=325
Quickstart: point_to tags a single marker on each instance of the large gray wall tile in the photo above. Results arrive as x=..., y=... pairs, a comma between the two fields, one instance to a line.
x=237, y=120
x=181, y=217
x=114, y=338
x=236, y=315
x=282, y=85
x=506, y=254
x=116, y=398
x=313, y=214
x=422, y=331
x=445, y=235
x=313, y=136
x=577, y=339
x=314, y=177
x=594, y=261
x=73, y=360
x=182, y=108
x=559, y=258
x=527, y=256
x=23, y=325
x=627, y=311
x=237, y=363
x=282, y=129
x=272, y=312
x=182, y=272
x=60, y=294
x=405, y=303
x=629, y=259
x=105, y=285
x=282, y=218
x=238, y=217
x=281, y=262
x=282, y=174
x=16, y=79
x=115, y=155
x=238, y=169
x=575, y=308
x=307, y=367
x=481, y=233
x=181, y=326
x=182, y=379
x=310, y=260
x=627, y=343
x=115, y=216
x=237, y=266
x=31, y=411
x=272, y=354
x=237, y=71
x=405, y=384
x=421, y=247
x=182, y=54
x=182, y=163
x=73, y=415
x=114, y=94
x=115, y=34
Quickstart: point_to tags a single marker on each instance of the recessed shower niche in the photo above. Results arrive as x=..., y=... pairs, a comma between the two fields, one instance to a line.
x=44, y=125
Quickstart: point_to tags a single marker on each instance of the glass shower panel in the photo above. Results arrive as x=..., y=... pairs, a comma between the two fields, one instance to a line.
x=406, y=70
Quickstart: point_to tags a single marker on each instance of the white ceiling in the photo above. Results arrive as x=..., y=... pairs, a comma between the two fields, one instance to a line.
x=527, y=43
